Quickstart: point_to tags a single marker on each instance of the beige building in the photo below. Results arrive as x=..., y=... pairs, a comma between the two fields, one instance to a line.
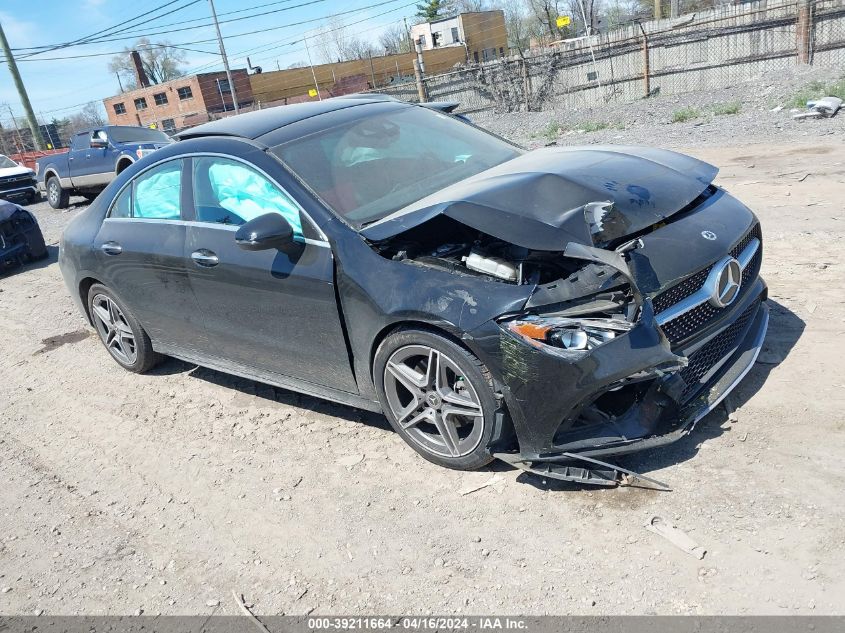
x=482, y=34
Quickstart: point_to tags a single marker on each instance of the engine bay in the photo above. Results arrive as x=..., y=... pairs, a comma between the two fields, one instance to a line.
x=448, y=245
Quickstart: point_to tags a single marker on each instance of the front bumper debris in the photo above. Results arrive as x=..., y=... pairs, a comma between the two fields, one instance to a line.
x=20, y=236
x=575, y=461
x=664, y=411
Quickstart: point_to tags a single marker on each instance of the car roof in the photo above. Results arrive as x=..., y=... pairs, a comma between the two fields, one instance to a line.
x=253, y=125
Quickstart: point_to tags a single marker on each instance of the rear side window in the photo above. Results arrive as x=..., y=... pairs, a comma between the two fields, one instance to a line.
x=81, y=141
x=123, y=205
x=229, y=192
x=155, y=195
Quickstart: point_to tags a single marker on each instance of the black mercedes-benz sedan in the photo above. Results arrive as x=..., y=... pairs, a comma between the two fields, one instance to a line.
x=545, y=307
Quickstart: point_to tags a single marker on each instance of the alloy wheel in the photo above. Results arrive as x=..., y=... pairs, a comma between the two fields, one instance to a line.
x=54, y=193
x=114, y=330
x=432, y=401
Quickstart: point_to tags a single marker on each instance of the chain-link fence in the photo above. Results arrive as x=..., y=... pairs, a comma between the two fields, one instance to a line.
x=707, y=50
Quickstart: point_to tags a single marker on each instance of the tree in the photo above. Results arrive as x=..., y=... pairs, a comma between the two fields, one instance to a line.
x=394, y=40
x=93, y=114
x=469, y=6
x=545, y=14
x=335, y=44
x=90, y=116
x=517, y=25
x=161, y=61
x=431, y=10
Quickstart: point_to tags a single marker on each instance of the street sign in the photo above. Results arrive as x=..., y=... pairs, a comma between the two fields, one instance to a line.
x=312, y=92
x=562, y=21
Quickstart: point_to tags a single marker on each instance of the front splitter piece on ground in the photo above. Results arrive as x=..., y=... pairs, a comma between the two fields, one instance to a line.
x=600, y=474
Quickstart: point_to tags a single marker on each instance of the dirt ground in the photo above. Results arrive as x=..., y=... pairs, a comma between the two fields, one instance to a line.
x=162, y=493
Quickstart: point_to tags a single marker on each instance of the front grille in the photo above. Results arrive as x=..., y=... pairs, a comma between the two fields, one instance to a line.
x=16, y=182
x=703, y=359
x=680, y=291
x=687, y=324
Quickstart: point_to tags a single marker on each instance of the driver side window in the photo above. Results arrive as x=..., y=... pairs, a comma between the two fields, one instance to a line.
x=229, y=192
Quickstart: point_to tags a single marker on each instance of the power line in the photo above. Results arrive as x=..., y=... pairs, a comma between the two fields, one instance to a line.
x=89, y=38
x=136, y=35
x=297, y=39
x=265, y=30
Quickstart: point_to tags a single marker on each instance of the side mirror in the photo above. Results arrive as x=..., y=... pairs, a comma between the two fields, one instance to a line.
x=264, y=232
x=98, y=143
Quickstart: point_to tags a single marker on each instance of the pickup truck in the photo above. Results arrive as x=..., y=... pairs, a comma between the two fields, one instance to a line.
x=17, y=183
x=95, y=158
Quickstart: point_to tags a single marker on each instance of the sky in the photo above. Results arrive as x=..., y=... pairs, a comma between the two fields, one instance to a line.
x=60, y=87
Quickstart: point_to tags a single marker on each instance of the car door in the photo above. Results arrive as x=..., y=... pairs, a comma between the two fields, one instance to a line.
x=76, y=165
x=99, y=161
x=271, y=311
x=140, y=246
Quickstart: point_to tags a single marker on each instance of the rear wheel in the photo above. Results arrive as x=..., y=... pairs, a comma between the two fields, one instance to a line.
x=57, y=197
x=438, y=397
x=120, y=332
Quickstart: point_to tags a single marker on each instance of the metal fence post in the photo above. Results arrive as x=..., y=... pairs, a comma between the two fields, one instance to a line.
x=803, y=31
x=646, y=64
x=419, y=74
x=526, y=84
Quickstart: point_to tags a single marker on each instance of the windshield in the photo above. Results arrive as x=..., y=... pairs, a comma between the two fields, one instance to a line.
x=137, y=135
x=370, y=167
x=5, y=162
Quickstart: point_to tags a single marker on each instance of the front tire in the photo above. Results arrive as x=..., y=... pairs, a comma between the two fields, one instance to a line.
x=438, y=397
x=57, y=197
x=120, y=332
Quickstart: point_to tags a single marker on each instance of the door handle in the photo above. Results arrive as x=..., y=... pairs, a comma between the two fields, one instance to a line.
x=111, y=248
x=204, y=257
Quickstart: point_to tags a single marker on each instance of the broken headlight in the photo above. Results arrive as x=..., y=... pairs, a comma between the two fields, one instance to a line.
x=567, y=333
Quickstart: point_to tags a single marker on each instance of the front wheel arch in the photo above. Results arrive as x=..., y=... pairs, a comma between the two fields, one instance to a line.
x=507, y=438
x=416, y=325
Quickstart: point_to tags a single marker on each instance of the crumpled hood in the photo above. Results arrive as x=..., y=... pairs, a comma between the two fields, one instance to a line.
x=549, y=197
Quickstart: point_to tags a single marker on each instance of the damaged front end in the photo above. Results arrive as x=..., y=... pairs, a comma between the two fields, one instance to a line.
x=620, y=344
x=20, y=236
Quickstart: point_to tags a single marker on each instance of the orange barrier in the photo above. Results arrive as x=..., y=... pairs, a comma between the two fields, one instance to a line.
x=27, y=159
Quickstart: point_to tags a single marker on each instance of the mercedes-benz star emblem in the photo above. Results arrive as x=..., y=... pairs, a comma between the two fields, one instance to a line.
x=725, y=280
x=708, y=235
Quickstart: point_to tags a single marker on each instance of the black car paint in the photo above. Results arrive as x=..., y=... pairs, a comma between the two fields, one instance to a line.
x=340, y=302
x=538, y=200
x=20, y=236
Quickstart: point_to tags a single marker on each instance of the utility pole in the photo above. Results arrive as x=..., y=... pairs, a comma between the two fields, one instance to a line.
x=225, y=60
x=313, y=74
x=27, y=106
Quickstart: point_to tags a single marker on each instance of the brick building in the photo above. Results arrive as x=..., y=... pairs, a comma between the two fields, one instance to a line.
x=482, y=34
x=179, y=103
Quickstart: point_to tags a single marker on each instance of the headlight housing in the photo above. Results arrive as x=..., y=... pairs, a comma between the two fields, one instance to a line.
x=581, y=334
